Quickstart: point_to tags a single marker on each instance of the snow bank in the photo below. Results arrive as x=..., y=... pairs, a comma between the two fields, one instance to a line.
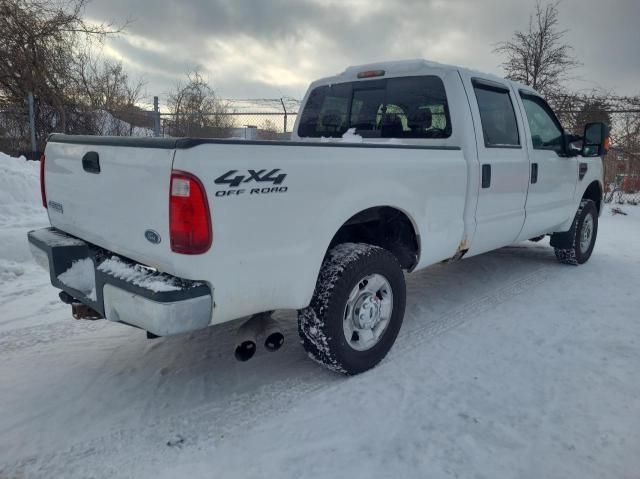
x=19, y=181
x=20, y=211
x=9, y=270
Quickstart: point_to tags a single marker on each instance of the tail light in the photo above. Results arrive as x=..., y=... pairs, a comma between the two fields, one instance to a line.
x=42, y=191
x=189, y=218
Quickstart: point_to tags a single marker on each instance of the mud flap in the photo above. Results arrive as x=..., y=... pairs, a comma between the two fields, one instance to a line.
x=565, y=240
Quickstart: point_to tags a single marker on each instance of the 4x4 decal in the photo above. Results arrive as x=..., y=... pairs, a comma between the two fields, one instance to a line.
x=234, y=180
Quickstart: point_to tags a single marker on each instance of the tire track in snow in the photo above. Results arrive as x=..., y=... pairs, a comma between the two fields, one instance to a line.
x=427, y=329
x=212, y=422
x=18, y=339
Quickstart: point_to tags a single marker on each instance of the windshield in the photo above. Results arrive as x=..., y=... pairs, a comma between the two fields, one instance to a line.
x=406, y=107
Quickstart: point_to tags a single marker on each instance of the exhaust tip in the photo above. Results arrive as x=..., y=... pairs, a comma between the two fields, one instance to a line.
x=274, y=341
x=245, y=350
x=66, y=298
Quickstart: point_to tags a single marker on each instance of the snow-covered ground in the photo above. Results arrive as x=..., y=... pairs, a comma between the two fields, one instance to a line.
x=508, y=365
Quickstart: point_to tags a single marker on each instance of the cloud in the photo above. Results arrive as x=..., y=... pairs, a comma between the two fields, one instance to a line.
x=276, y=47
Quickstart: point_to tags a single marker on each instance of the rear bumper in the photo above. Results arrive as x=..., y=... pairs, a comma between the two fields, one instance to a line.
x=119, y=289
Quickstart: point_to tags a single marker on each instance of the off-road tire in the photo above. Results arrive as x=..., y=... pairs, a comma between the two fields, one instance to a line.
x=574, y=255
x=320, y=325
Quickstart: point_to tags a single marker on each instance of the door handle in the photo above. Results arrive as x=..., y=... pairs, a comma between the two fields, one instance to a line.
x=91, y=162
x=534, y=173
x=486, y=176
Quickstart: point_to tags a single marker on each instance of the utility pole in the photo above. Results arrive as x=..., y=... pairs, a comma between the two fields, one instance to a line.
x=32, y=127
x=156, y=117
x=285, y=114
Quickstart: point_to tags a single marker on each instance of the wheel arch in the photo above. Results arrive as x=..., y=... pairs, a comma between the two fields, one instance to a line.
x=389, y=227
x=594, y=192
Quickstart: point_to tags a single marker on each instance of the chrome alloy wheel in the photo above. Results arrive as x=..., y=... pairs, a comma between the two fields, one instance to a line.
x=586, y=233
x=368, y=312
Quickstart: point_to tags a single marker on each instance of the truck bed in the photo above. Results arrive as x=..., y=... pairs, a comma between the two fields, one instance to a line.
x=275, y=205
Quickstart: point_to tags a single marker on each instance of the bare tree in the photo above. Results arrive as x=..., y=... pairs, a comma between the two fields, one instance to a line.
x=196, y=111
x=538, y=56
x=109, y=96
x=39, y=45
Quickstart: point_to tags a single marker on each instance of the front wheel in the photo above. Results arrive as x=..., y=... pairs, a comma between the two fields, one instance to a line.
x=583, y=235
x=357, y=308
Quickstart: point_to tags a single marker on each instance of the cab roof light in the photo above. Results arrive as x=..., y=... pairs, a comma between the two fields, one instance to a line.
x=371, y=74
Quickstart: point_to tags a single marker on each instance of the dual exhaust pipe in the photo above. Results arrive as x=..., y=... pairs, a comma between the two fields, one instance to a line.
x=260, y=325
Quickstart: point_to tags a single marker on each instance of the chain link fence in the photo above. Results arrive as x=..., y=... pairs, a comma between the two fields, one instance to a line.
x=622, y=162
x=15, y=131
x=245, y=125
x=24, y=129
x=251, y=119
x=23, y=132
x=622, y=177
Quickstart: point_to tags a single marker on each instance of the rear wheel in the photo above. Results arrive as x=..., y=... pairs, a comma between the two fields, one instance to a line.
x=357, y=308
x=582, y=236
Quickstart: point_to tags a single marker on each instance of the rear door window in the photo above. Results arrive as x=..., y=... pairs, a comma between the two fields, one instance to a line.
x=498, y=118
x=406, y=107
x=366, y=109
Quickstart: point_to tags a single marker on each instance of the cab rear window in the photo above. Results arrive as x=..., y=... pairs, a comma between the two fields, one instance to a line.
x=406, y=107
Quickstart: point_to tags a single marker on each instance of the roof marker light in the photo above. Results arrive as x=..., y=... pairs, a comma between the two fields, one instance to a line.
x=371, y=74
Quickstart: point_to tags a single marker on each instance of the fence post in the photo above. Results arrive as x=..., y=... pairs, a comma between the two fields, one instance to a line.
x=156, y=117
x=32, y=127
x=285, y=115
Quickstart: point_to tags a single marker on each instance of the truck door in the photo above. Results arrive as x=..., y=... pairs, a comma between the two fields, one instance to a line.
x=503, y=163
x=554, y=174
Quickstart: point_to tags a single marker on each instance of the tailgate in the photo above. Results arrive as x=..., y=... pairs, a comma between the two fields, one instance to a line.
x=112, y=193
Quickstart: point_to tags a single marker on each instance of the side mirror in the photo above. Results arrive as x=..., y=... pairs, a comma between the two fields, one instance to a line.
x=596, y=139
x=570, y=147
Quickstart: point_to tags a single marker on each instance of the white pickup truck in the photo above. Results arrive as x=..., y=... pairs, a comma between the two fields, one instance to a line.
x=392, y=167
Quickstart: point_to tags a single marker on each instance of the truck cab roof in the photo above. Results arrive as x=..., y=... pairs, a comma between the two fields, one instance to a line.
x=414, y=67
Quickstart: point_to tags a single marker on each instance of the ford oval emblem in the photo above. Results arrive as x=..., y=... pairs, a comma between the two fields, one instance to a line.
x=152, y=236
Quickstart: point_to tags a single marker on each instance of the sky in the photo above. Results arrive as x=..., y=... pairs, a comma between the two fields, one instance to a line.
x=275, y=48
